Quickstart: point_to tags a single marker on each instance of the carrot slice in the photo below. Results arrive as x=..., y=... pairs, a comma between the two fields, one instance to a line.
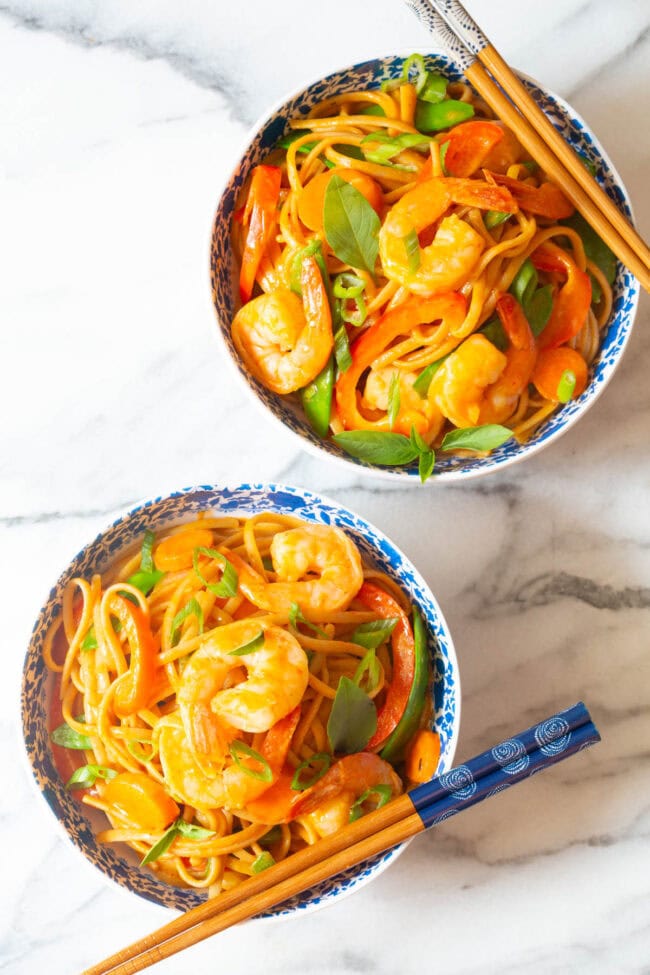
x=141, y=800
x=551, y=366
x=177, y=552
x=423, y=756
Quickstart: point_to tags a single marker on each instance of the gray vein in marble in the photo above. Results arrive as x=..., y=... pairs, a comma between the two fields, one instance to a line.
x=551, y=586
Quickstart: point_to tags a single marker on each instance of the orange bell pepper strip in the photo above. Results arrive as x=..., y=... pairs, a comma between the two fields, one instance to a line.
x=135, y=690
x=551, y=366
x=262, y=206
x=403, y=646
x=141, y=800
x=450, y=308
x=469, y=145
x=276, y=805
x=278, y=739
x=423, y=756
x=571, y=304
x=546, y=200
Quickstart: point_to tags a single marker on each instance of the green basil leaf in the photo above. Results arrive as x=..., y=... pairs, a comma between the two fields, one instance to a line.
x=418, y=443
x=426, y=463
x=412, y=248
x=496, y=334
x=482, y=438
x=394, y=399
x=566, y=386
x=89, y=642
x=146, y=553
x=192, y=832
x=342, y=349
x=371, y=635
x=351, y=225
x=376, y=447
x=422, y=383
x=370, y=670
x=162, y=845
x=86, y=776
x=227, y=586
x=321, y=761
x=191, y=608
x=538, y=309
x=494, y=218
x=296, y=616
x=383, y=794
x=595, y=248
x=145, y=580
x=67, y=737
x=273, y=836
x=249, y=647
x=353, y=719
x=262, y=862
x=238, y=749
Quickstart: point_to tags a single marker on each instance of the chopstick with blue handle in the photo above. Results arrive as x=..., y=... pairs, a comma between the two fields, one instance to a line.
x=497, y=769
x=469, y=47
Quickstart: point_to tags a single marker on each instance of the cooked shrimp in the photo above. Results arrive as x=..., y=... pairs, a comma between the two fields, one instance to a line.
x=297, y=555
x=185, y=778
x=276, y=680
x=376, y=394
x=456, y=247
x=285, y=342
x=459, y=385
x=501, y=397
x=331, y=799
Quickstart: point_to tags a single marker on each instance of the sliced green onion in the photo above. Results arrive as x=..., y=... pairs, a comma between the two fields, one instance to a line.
x=134, y=746
x=89, y=642
x=227, y=586
x=86, y=776
x=394, y=399
x=322, y=760
x=238, y=749
x=262, y=862
x=342, y=349
x=494, y=218
x=162, y=845
x=370, y=668
x=415, y=62
x=380, y=147
x=356, y=317
x=249, y=647
x=191, y=608
x=347, y=285
x=422, y=383
x=412, y=248
x=444, y=115
x=383, y=794
x=192, y=832
x=67, y=737
x=296, y=616
x=443, y=156
x=371, y=635
x=566, y=386
x=146, y=553
x=145, y=580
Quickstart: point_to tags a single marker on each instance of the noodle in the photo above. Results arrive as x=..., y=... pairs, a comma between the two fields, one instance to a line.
x=98, y=648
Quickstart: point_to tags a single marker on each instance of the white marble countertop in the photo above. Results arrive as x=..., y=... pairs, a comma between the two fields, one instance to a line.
x=119, y=120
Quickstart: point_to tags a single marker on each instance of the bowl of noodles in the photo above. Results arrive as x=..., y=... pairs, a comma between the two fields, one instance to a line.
x=224, y=676
x=401, y=286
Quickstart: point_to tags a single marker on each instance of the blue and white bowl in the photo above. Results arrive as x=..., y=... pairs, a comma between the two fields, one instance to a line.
x=81, y=823
x=287, y=412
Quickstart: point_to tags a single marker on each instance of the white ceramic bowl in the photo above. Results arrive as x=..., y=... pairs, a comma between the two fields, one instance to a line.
x=80, y=823
x=287, y=411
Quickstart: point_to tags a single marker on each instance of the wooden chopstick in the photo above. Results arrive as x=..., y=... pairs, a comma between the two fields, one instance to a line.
x=469, y=46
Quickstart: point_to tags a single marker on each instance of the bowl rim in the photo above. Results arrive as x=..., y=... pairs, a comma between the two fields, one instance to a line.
x=407, y=476
x=28, y=757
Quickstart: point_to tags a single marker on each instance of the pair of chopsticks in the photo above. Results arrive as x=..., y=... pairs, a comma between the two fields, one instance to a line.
x=506, y=95
x=512, y=760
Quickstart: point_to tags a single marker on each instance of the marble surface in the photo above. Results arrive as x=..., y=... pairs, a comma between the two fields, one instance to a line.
x=119, y=121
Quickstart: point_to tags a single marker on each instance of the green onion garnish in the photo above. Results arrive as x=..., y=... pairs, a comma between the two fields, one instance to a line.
x=67, y=737
x=347, y=285
x=262, y=862
x=227, y=586
x=383, y=794
x=86, y=776
x=238, y=749
x=296, y=616
x=394, y=399
x=250, y=647
x=342, y=349
x=191, y=608
x=412, y=248
x=370, y=669
x=322, y=761
x=146, y=554
x=356, y=317
x=422, y=383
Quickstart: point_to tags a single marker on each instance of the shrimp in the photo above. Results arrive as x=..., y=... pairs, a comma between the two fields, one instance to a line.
x=479, y=384
x=298, y=554
x=277, y=675
x=329, y=801
x=283, y=341
x=376, y=394
x=456, y=247
x=185, y=778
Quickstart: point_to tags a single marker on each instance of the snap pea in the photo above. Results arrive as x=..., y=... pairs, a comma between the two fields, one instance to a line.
x=443, y=115
x=317, y=399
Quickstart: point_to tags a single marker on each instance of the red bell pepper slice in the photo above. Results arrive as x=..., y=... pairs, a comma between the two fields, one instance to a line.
x=546, y=200
x=450, y=307
x=571, y=304
x=403, y=646
x=261, y=207
x=469, y=146
x=135, y=690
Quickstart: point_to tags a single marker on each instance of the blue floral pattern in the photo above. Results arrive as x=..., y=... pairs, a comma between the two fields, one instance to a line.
x=124, y=535
x=287, y=410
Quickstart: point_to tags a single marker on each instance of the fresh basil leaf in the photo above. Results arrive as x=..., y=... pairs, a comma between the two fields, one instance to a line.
x=67, y=737
x=369, y=669
x=238, y=749
x=566, y=386
x=394, y=399
x=538, y=309
x=376, y=447
x=86, y=776
x=296, y=616
x=496, y=334
x=351, y=225
x=227, y=586
x=426, y=463
x=262, y=862
x=371, y=635
x=383, y=794
x=89, y=642
x=145, y=580
x=595, y=248
x=162, y=845
x=422, y=383
x=342, y=349
x=146, y=554
x=191, y=608
x=249, y=647
x=494, y=218
x=192, y=832
x=353, y=719
x=418, y=443
x=481, y=438
x=317, y=764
